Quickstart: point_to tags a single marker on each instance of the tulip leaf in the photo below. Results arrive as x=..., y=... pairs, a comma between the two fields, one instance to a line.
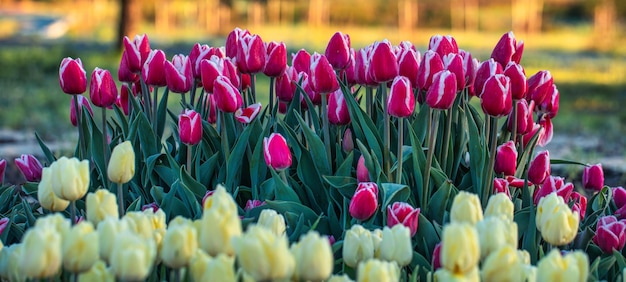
x=393, y=192
x=97, y=152
x=191, y=184
x=149, y=145
x=28, y=213
x=606, y=263
x=285, y=206
x=207, y=169
x=427, y=232
x=420, y=261
x=46, y=151
x=561, y=161
x=364, y=128
x=258, y=168
x=266, y=190
x=478, y=155
x=439, y=201
x=282, y=190
x=295, y=225
x=161, y=112
x=135, y=205
x=189, y=197
x=522, y=219
x=235, y=159
x=29, y=188
x=158, y=194
x=344, y=184
x=619, y=258
x=172, y=206
x=345, y=169
x=316, y=148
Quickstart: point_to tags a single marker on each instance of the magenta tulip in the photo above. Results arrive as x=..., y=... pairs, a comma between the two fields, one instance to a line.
x=3, y=167
x=539, y=168
x=508, y=49
x=485, y=70
x=516, y=74
x=443, y=45
x=442, y=91
x=495, y=98
x=247, y=115
x=401, y=102
x=250, y=54
x=30, y=167
x=524, y=117
x=286, y=84
x=136, y=52
x=470, y=65
x=153, y=71
x=102, y=88
x=550, y=105
x=322, y=76
x=82, y=102
x=124, y=74
x=430, y=65
x=301, y=61
x=362, y=174
x=275, y=59
x=190, y=127
x=610, y=234
x=72, y=76
x=554, y=184
x=338, y=109
x=383, y=65
x=454, y=63
x=593, y=177
x=501, y=185
x=580, y=204
x=365, y=201
x=408, y=64
x=276, y=151
x=250, y=204
x=405, y=214
x=506, y=159
x=227, y=96
x=540, y=86
x=232, y=41
x=361, y=67
x=178, y=74
x=338, y=50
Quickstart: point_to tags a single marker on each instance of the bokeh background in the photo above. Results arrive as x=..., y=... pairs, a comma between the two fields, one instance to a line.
x=581, y=42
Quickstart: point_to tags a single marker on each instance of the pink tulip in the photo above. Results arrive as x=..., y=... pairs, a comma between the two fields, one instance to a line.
x=30, y=167
x=485, y=70
x=470, y=65
x=365, y=201
x=153, y=71
x=190, y=127
x=508, y=49
x=408, y=64
x=554, y=184
x=232, y=41
x=517, y=182
x=405, y=214
x=250, y=204
x=315, y=97
x=619, y=196
x=338, y=109
x=383, y=65
x=443, y=45
x=178, y=74
x=550, y=105
x=442, y=92
x=539, y=168
x=322, y=76
x=102, y=88
x=436, y=261
x=282, y=107
x=122, y=99
x=361, y=66
x=430, y=65
x=506, y=159
x=610, y=234
x=338, y=50
x=250, y=54
x=362, y=174
x=350, y=70
x=151, y=206
x=276, y=151
x=540, y=86
x=347, y=144
x=199, y=53
x=517, y=76
x=211, y=106
x=286, y=84
x=72, y=76
x=454, y=63
x=124, y=74
x=593, y=177
x=496, y=96
x=524, y=117
x=3, y=224
x=82, y=102
x=214, y=67
x=580, y=204
x=275, y=59
x=548, y=131
x=247, y=115
x=501, y=185
x=301, y=61
x=136, y=52
x=227, y=96
x=401, y=102
x=3, y=167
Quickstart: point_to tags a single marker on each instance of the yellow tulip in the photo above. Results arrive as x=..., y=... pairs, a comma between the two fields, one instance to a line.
x=444, y=275
x=460, y=249
x=70, y=178
x=500, y=205
x=357, y=246
x=263, y=254
x=206, y=268
x=216, y=229
x=396, y=245
x=503, y=264
x=97, y=273
x=121, y=167
x=41, y=255
x=494, y=233
x=80, y=247
x=132, y=256
x=9, y=263
x=107, y=234
x=314, y=257
x=221, y=200
x=100, y=205
x=179, y=245
x=273, y=221
x=466, y=208
x=556, y=221
x=572, y=267
x=47, y=199
x=374, y=270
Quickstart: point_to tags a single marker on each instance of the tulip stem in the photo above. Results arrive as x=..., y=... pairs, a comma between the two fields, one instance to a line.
x=368, y=100
x=192, y=96
x=326, y=127
x=189, y=149
x=271, y=104
x=493, y=130
x=120, y=199
x=400, y=144
x=147, y=103
x=253, y=87
x=183, y=100
x=446, y=140
x=224, y=135
x=283, y=176
x=176, y=275
x=154, y=109
x=434, y=126
x=73, y=212
x=514, y=121
x=104, y=145
x=387, y=135
x=79, y=114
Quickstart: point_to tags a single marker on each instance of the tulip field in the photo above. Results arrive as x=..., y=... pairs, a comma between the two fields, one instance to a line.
x=250, y=161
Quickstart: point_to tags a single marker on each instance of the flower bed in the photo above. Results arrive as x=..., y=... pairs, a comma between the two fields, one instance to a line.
x=368, y=165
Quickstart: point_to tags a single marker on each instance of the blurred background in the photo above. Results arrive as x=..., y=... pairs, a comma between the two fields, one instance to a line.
x=581, y=42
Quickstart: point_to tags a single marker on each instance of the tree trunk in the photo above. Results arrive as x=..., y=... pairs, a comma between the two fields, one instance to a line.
x=130, y=16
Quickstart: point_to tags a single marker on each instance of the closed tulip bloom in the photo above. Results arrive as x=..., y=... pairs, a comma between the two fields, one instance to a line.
x=121, y=167
x=619, y=196
x=107, y=234
x=30, y=167
x=132, y=257
x=80, y=247
x=206, y=268
x=56, y=221
x=401, y=102
x=593, y=177
x=82, y=102
x=227, y=96
x=383, y=65
x=362, y=65
x=430, y=65
x=610, y=234
x=246, y=115
x=540, y=86
x=517, y=75
x=313, y=256
x=503, y=264
x=124, y=74
x=347, y=143
x=396, y=245
x=525, y=120
x=556, y=221
x=506, y=159
x=250, y=54
x=454, y=63
x=338, y=50
x=121, y=101
x=484, y=71
x=470, y=64
x=190, y=127
x=495, y=233
x=153, y=71
x=374, y=270
x=41, y=255
x=496, y=97
x=102, y=88
x=179, y=245
x=264, y=255
x=47, y=199
x=178, y=74
x=550, y=106
x=408, y=64
x=572, y=267
x=322, y=76
x=215, y=230
x=365, y=201
x=72, y=76
x=301, y=61
x=554, y=184
x=9, y=263
x=210, y=70
x=273, y=221
x=436, y=257
x=508, y=49
x=276, y=152
x=362, y=174
x=136, y=52
x=100, y=205
x=220, y=200
x=442, y=91
x=443, y=45
x=501, y=206
x=275, y=59
x=358, y=246
x=466, y=208
x=70, y=178
x=446, y=275
x=460, y=247
x=232, y=41
x=403, y=213
x=286, y=85
x=97, y=272
x=539, y=168
x=338, y=113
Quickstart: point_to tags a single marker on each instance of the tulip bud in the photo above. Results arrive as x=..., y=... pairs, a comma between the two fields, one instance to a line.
x=377, y=270
x=454, y=63
x=82, y=102
x=506, y=159
x=347, y=144
x=178, y=74
x=580, y=204
x=401, y=102
x=206, y=268
x=460, y=249
x=466, y=208
x=47, y=199
x=610, y=234
x=232, y=41
x=517, y=76
x=362, y=174
x=250, y=54
x=70, y=178
x=486, y=70
x=313, y=256
x=273, y=221
x=383, y=65
x=190, y=127
x=136, y=52
x=102, y=88
x=97, y=272
x=132, y=257
x=338, y=109
x=29, y=166
x=593, y=177
x=405, y=214
x=338, y=50
x=430, y=65
x=247, y=115
x=500, y=205
x=495, y=98
x=124, y=74
x=121, y=167
x=179, y=245
x=275, y=59
x=539, y=168
x=408, y=64
x=556, y=221
x=72, y=76
x=501, y=186
x=443, y=45
x=322, y=76
x=550, y=106
x=619, y=196
x=442, y=92
x=539, y=86
x=286, y=84
x=436, y=257
x=276, y=151
x=80, y=247
x=495, y=233
x=264, y=255
x=508, y=49
x=100, y=205
x=153, y=71
x=251, y=204
x=365, y=201
x=41, y=255
x=357, y=246
x=301, y=61
x=572, y=267
x=524, y=117
x=396, y=245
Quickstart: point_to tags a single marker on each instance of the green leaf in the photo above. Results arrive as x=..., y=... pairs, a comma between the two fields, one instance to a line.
x=282, y=190
x=364, y=128
x=439, y=202
x=345, y=169
x=346, y=185
x=284, y=206
x=149, y=145
x=560, y=161
x=393, y=192
x=162, y=113
x=478, y=154
x=235, y=159
x=46, y=151
x=316, y=148
x=426, y=230
x=191, y=184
